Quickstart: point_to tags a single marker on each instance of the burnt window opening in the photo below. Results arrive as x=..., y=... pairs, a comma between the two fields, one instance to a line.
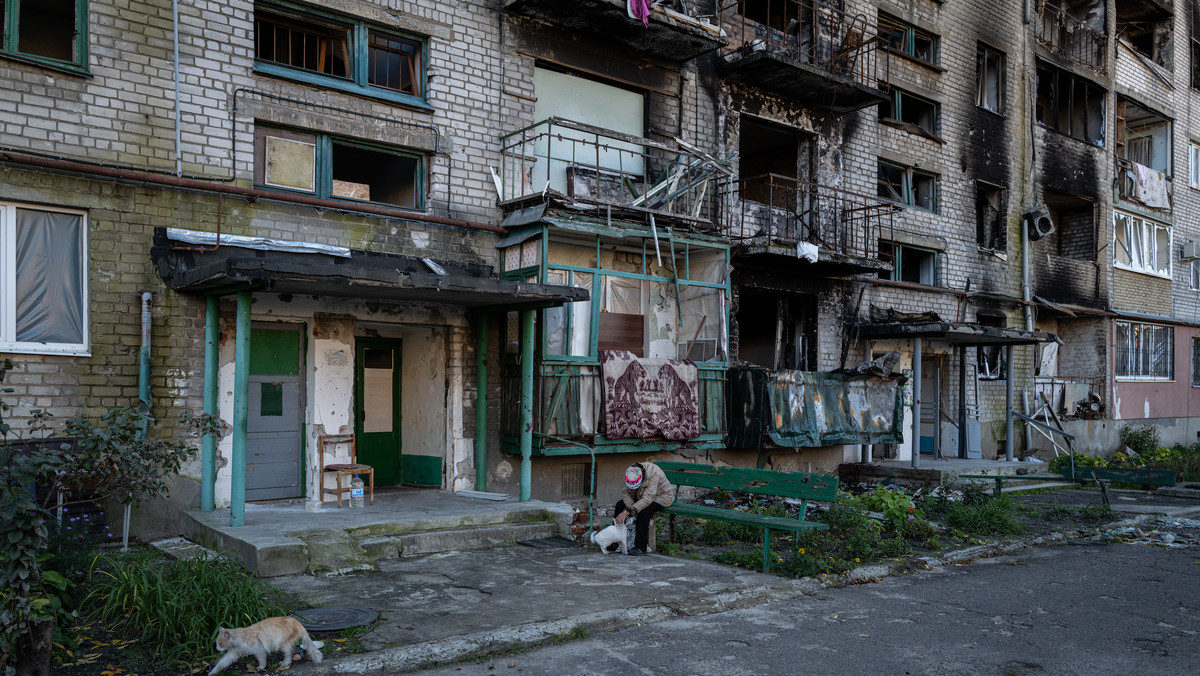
x=1143, y=137
x=1070, y=104
x=1075, y=226
x=1148, y=27
x=909, y=264
x=782, y=15
x=52, y=32
x=1075, y=29
x=770, y=158
x=336, y=168
x=990, y=361
x=778, y=331
x=989, y=78
x=990, y=224
x=902, y=37
x=1194, y=26
x=907, y=185
x=910, y=112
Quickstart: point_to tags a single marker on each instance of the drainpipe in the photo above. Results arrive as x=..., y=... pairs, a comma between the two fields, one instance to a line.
x=916, y=409
x=526, y=402
x=208, y=468
x=175, y=37
x=481, y=377
x=143, y=397
x=241, y=400
x=1008, y=403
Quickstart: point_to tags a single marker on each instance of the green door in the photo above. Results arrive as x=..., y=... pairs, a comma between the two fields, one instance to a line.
x=377, y=407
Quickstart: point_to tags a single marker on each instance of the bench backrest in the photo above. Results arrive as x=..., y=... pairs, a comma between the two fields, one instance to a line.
x=801, y=485
x=1156, y=477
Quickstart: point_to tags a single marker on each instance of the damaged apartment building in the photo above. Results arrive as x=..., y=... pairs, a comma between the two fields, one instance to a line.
x=511, y=245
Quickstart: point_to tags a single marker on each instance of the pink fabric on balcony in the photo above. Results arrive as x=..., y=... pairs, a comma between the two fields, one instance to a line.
x=640, y=9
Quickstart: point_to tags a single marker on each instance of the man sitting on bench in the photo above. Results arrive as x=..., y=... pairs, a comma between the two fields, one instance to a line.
x=646, y=492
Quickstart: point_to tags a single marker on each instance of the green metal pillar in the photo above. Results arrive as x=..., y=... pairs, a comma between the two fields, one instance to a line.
x=241, y=401
x=208, y=469
x=481, y=418
x=526, y=402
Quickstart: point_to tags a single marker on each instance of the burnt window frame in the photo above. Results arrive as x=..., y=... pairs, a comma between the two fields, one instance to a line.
x=982, y=236
x=323, y=158
x=983, y=55
x=359, y=53
x=1194, y=44
x=908, y=193
x=909, y=35
x=897, y=273
x=1061, y=79
x=10, y=39
x=891, y=112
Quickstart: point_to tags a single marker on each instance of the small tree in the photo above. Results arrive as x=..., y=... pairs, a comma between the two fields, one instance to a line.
x=117, y=458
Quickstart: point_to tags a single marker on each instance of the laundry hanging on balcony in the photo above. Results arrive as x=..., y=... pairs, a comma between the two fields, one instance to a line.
x=821, y=409
x=644, y=397
x=1150, y=187
x=640, y=9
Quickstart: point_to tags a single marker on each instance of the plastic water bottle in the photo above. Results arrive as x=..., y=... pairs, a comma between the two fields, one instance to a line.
x=356, y=493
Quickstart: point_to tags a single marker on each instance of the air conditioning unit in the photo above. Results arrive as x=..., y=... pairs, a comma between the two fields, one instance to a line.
x=1038, y=220
x=1190, y=250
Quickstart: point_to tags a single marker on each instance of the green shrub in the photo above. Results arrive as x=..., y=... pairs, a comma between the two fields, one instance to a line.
x=1141, y=439
x=1058, y=463
x=714, y=532
x=173, y=609
x=896, y=506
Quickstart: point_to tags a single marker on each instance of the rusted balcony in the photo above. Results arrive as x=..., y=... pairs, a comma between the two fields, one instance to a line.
x=599, y=166
x=776, y=222
x=1078, y=40
x=805, y=50
x=673, y=35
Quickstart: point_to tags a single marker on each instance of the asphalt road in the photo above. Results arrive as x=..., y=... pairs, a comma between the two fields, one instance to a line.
x=1078, y=608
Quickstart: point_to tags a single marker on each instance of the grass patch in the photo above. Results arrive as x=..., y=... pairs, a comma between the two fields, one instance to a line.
x=173, y=609
x=990, y=517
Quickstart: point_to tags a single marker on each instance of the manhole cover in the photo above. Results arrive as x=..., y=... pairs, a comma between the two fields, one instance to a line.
x=335, y=618
x=556, y=542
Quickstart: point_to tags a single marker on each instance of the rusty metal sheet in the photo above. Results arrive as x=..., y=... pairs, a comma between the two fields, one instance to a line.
x=821, y=409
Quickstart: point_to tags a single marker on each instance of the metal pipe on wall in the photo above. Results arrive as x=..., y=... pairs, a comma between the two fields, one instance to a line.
x=481, y=413
x=208, y=463
x=178, y=120
x=1008, y=404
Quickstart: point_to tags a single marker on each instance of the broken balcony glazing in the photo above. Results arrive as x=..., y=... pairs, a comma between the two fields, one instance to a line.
x=590, y=164
x=1075, y=30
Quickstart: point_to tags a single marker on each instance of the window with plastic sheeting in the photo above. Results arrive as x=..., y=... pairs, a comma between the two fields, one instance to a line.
x=43, y=280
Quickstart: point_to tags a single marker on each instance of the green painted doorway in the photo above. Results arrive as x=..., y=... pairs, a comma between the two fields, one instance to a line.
x=377, y=407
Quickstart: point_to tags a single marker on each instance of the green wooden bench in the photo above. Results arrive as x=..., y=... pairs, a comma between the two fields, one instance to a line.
x=798, y=485
x=1102, y=476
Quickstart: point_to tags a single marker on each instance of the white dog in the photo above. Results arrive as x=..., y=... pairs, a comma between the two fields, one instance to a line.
x=615, y=534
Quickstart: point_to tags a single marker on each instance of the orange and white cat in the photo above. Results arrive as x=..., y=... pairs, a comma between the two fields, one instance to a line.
x=274, y=634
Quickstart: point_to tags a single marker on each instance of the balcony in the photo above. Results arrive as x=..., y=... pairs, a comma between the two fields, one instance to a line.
x=1083, y=42
x=591, y=165
x=1143, y=185
x=672, y=35
x=805, y=50
x=775, y=220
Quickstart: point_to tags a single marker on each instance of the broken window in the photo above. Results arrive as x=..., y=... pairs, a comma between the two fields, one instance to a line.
x=910, y=264
x=50, y=32
x=778, y=14
x=1143, y=136
x=1145, y=351
x=1147, y=25
x=1194, y=15
x=904, y=38
x=768, y=160
x=777, y=330
x=990, y=226
x=1194, y=165
x=907, y=185
x=331, y=167
x=43, y=280
x=1075, y=225
x=339, y=52
x=1142, y=245
x=1070, y=104
x=910, y=112
x=989, y=78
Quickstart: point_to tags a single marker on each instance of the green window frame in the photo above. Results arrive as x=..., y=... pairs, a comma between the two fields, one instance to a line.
x=50, y=33
x=904, y=38
x=916, y=114
x=340, y=52
x=907, y=186
x=910, y=264
x=333, y=167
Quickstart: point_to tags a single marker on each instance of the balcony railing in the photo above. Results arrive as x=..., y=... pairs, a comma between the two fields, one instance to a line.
x=1074, y=39
x=843, y=45
x=777, y=210
x=591, y=164
x=1139, y=183
x=1072, y=396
